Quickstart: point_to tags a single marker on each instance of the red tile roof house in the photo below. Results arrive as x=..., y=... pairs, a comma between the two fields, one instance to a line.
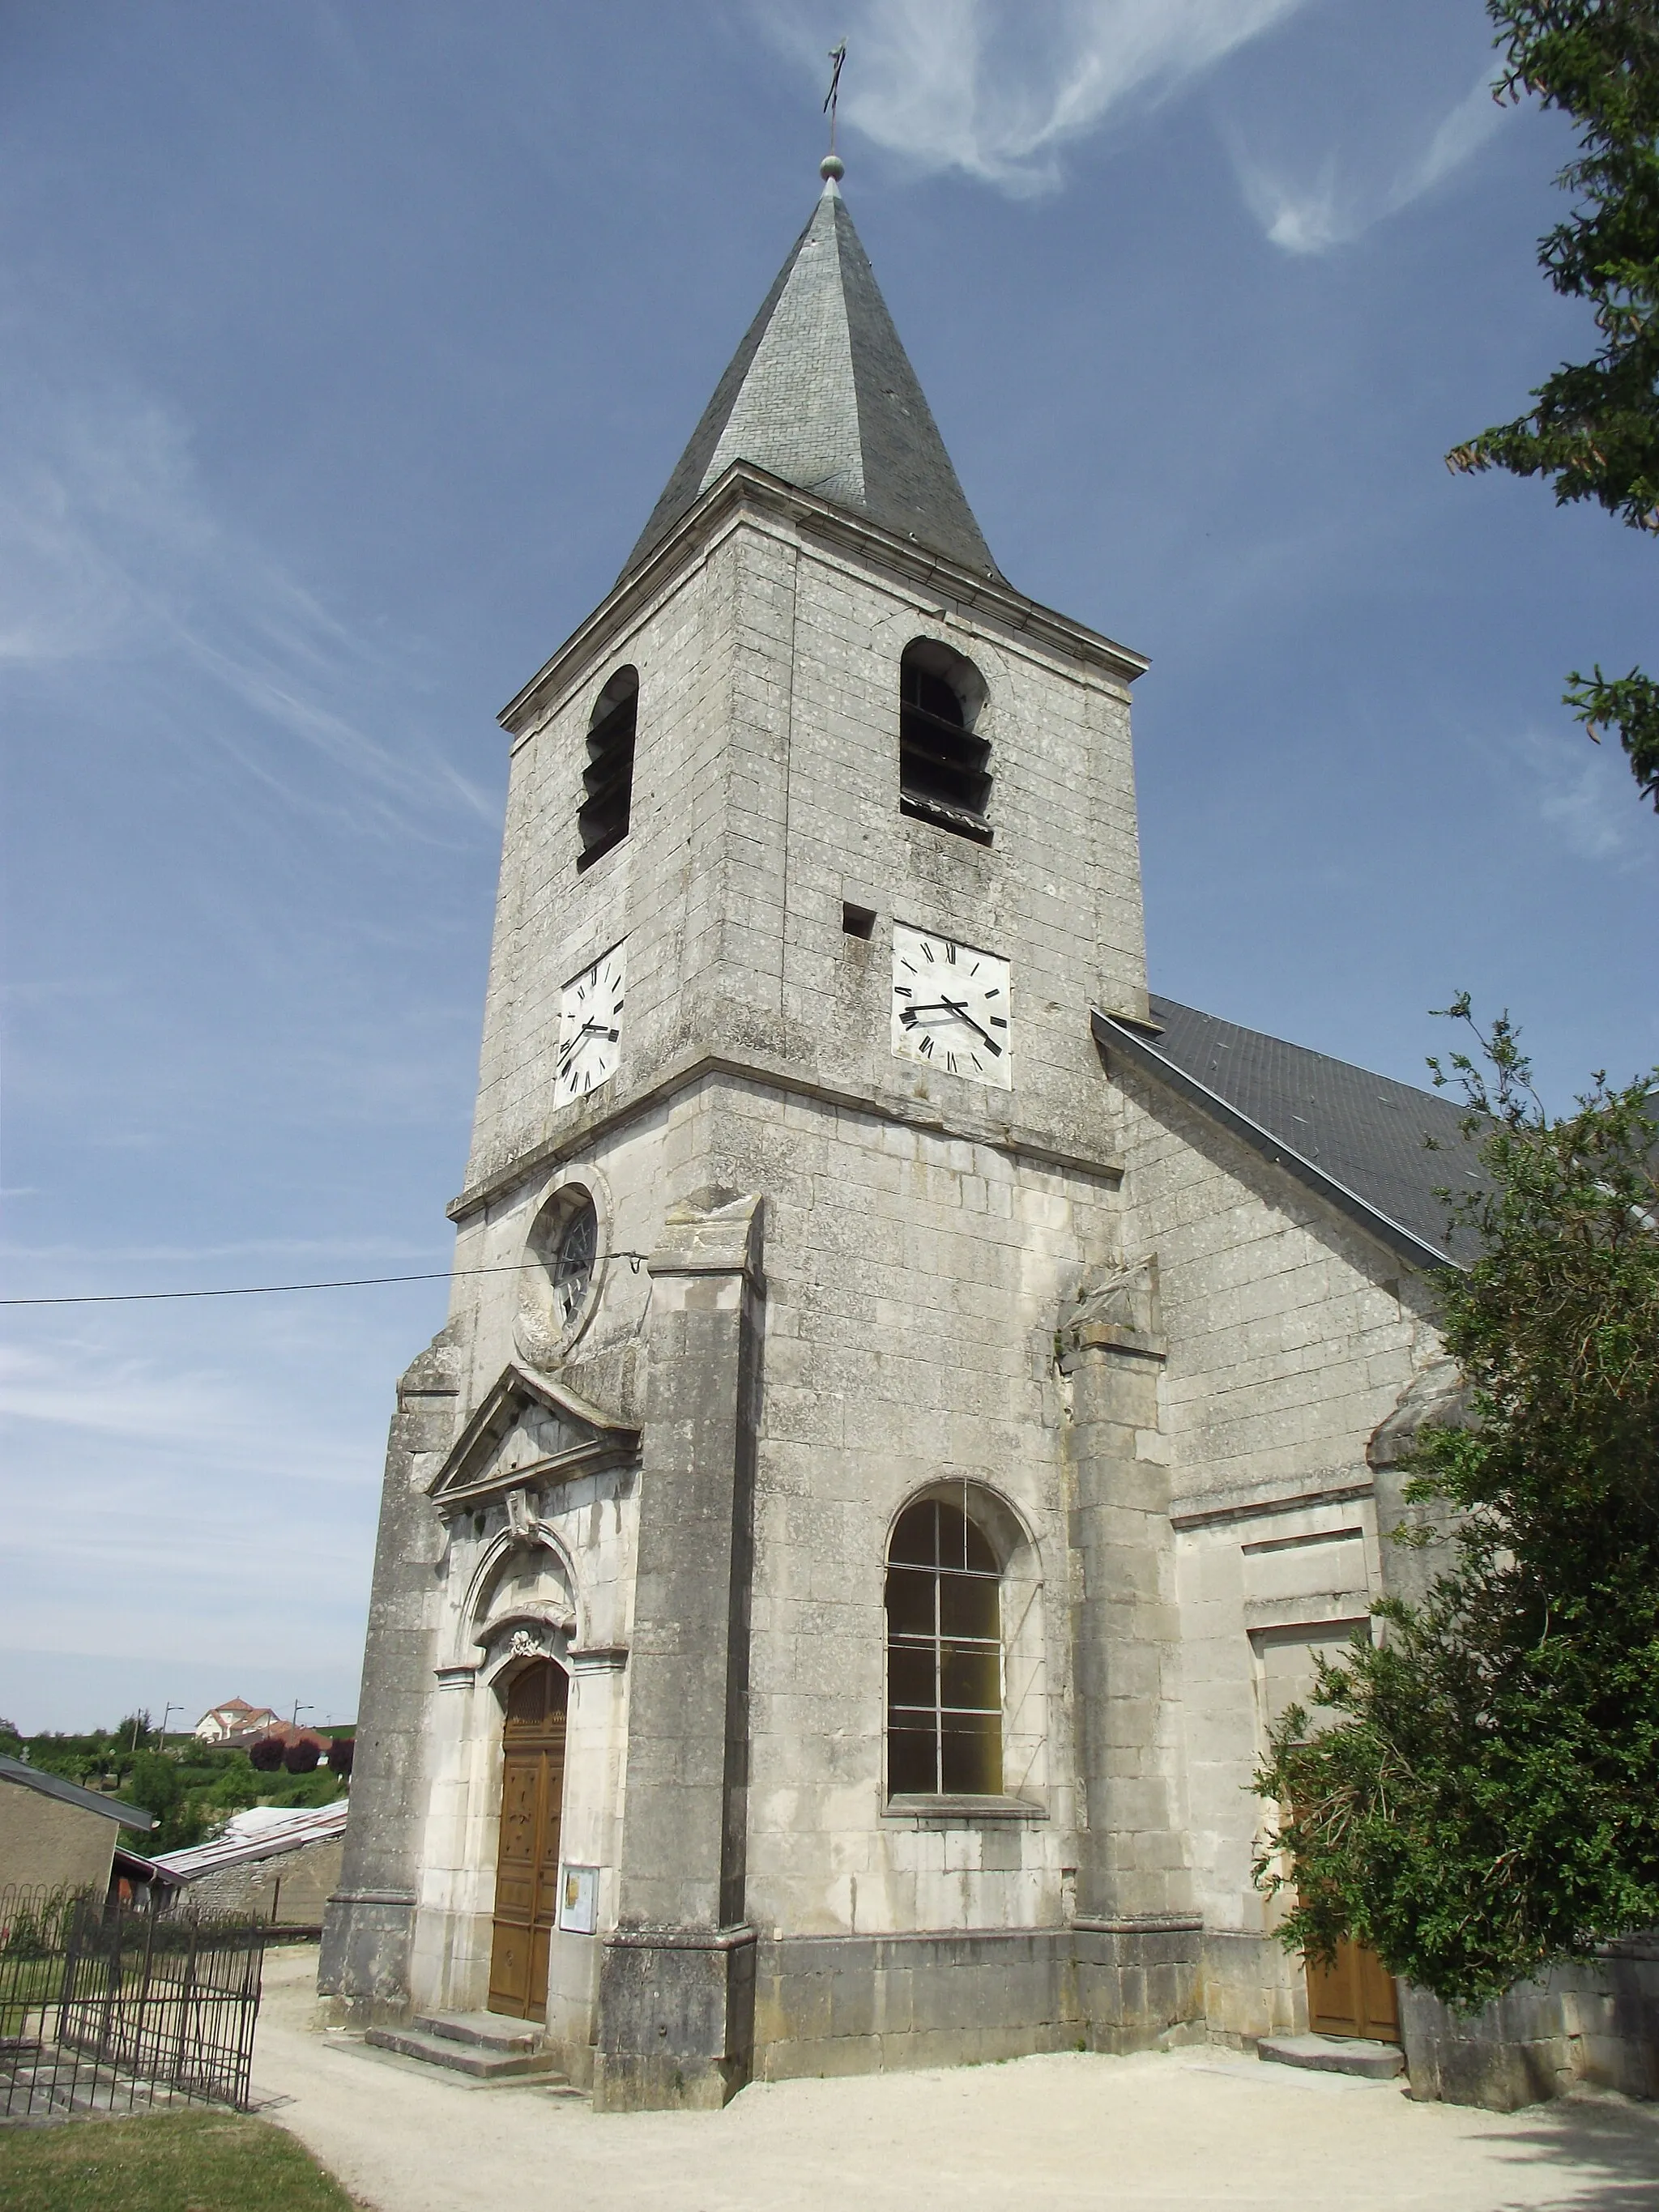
x=236, y=1722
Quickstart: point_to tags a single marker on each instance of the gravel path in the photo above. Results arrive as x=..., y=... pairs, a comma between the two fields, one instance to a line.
x=1192, y=2132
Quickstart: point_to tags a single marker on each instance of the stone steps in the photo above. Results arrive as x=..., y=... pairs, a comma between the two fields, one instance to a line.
x=1334, y=2054
x=483, y=2045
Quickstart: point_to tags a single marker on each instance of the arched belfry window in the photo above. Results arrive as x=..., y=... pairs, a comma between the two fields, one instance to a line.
x=608, y=778
x=943, y=1656
x=945, y=767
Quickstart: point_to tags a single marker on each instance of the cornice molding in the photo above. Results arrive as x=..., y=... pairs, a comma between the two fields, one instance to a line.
x=697, y=1066
x=743, y=486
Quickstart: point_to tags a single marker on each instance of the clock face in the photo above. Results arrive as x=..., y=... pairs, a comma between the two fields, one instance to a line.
x=951, y=1008
x=590, y=1029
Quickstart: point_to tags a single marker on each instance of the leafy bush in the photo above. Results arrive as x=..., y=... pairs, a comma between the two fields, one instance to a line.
x=302, y=1758
x=320, y=1788
x=339, y=1755
x=266, y=1753
x=235, y=1787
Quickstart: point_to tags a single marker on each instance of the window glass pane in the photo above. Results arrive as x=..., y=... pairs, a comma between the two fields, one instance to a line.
x=971, y=1676
x=972, y=1748
x=979, y=1553
x=910, y=1601
x=912, y=1761
x=914, y=1540
x=968, y=1606
x=952, y=1537
x=911, y=1673
x=943, y=1656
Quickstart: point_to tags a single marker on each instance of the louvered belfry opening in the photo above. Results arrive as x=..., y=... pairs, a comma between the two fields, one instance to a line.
x=945, y=769
x=608, y=778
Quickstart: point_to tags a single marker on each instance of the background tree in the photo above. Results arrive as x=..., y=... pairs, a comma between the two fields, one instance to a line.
x=266, y=1753
x=1594, y=430
x=1484, y=1797
x=155, y=1782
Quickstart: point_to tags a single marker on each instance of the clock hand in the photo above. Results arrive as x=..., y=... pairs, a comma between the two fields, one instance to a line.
x=949, y=1007
x=962, y=1014
x=596, y=1028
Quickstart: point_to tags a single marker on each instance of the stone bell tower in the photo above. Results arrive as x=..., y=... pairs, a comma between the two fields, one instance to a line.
x=792, y=1156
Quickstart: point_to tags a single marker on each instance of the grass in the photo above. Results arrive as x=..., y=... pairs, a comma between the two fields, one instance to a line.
x=30, y=1986
x=163, y=2162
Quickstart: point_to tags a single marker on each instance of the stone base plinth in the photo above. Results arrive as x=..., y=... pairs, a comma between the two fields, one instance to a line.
x=676, y=2013
x=362, y=1975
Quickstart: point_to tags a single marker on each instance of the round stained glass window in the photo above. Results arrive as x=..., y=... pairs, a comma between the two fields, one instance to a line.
x=573, y=1260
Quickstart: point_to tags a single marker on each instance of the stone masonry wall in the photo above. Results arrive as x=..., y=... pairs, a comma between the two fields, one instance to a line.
x=289, y=1889
x=1291, y=1335
x=766, y=794
x=920, y=1247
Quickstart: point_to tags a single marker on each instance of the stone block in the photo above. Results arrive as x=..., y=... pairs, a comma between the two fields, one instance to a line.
x=676, y=2013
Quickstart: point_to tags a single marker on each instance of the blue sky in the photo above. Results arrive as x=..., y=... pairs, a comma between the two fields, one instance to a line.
x=347, y=348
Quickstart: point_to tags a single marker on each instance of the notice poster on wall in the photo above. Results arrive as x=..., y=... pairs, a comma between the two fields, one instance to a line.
x=579, y=1901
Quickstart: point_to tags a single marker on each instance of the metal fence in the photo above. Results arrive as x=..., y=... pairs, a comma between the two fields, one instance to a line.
x=112, y=2008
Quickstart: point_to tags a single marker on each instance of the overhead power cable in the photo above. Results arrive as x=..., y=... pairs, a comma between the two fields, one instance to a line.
x=280, y=1289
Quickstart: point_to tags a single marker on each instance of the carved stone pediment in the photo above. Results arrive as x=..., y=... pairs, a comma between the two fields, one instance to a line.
x=529, y=1432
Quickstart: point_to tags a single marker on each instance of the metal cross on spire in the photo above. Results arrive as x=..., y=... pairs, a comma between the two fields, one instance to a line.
x=832, y=165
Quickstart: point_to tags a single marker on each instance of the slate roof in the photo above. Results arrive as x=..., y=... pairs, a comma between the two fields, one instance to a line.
x=71, y=1793
x=821, y=393
x=1355, y=1137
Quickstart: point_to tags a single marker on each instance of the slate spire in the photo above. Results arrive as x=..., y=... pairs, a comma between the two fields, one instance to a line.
x=821, y=393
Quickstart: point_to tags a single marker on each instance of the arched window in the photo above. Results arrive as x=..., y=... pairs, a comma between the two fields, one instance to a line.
x=945, y=769
x=943, y=1656
x=608, y=778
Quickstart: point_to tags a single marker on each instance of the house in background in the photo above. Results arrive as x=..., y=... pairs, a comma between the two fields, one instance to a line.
x=236, y=1722
x=55, y=1835
x=274, y=1863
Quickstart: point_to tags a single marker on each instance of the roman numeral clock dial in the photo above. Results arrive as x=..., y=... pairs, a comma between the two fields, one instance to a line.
x=951, y=1008
x=590, y=1029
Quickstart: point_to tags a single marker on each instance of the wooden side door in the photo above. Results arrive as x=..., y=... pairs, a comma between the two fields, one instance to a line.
x=527, y=1862
x=1353, y=1996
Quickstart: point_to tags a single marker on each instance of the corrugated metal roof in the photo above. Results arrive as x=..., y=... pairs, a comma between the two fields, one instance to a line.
x=71, y=1793
x=279, y=1828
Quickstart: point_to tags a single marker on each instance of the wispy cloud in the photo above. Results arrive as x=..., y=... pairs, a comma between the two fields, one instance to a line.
x=139, y=1401
x=1312, y=210
x=1583, y=795
x=997, y=88
x=113, y=555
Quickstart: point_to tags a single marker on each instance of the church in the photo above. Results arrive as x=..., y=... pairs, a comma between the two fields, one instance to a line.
x=914, y=1405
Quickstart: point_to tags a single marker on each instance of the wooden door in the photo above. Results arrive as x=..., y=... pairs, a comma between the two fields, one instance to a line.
x=527, y=1864
x=1354, y=1996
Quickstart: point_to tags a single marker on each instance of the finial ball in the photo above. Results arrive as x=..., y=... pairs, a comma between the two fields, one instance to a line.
x=832, y=168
